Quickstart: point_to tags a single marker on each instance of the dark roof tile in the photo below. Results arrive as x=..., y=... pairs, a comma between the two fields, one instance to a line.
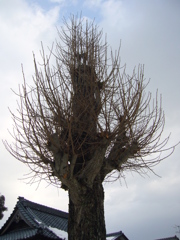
x=37, y=219
x=169, y=238
x=116, y=236
x=17, y=235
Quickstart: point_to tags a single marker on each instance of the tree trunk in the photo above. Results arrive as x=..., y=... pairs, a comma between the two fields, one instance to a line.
x=86, y=217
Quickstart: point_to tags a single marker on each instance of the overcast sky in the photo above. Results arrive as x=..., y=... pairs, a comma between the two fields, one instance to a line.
x=143, y=208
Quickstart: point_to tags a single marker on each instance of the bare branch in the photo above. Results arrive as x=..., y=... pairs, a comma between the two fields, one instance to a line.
x=85, y=117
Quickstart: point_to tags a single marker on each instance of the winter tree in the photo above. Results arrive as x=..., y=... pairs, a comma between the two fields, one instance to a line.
x=83, y=120
x=2, y=206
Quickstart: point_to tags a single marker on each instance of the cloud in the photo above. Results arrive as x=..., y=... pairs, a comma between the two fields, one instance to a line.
x=57, y=1
x=23, y=26
x=145, y=208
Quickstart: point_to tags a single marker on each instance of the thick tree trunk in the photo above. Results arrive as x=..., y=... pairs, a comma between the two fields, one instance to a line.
x=86, y=217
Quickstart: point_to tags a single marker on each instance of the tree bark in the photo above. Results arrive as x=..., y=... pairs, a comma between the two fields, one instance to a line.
x=86, y=216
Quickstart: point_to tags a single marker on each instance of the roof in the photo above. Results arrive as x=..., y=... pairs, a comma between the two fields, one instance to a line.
x=169, y=238
x=116, y=236
x=30, y=219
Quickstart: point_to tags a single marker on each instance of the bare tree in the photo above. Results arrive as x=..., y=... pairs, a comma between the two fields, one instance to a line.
x=83, y=119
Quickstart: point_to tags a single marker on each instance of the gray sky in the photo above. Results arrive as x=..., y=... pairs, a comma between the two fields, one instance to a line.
x=143, y=208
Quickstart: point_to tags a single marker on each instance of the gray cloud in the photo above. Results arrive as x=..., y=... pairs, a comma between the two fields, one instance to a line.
x=147, y=208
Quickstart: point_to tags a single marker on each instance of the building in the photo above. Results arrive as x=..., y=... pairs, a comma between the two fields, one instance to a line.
x=169, y=238
x=34, y=221
x=116, y=236
x=30, y=220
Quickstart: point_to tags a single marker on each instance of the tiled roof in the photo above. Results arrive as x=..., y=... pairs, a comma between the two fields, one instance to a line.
x=169, y=238
x=116, y=236
x=44, y=215
x=30, y=219
x=23, y=234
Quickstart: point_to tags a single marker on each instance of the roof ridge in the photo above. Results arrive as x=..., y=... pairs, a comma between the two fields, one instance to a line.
x=24, y=214
x=114, y=234
x=43, y=208
x=168, y=238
